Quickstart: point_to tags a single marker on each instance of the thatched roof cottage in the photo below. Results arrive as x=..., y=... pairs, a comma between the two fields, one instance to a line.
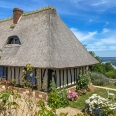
x=42, y=39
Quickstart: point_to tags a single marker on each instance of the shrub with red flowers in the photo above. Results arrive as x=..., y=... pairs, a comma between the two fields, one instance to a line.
x=72, y=96
x=82, y=91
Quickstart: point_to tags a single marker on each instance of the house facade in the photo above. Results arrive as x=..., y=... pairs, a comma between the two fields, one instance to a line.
x=42, y=39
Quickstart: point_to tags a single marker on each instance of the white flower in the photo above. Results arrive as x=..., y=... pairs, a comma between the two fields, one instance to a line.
x=98, y=101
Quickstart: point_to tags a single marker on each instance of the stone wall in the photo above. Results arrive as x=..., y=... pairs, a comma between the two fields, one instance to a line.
x=26, y=93
x=112, y=80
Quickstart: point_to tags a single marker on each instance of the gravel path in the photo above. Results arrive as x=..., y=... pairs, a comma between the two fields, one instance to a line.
x=106, y=88
x=69, y=110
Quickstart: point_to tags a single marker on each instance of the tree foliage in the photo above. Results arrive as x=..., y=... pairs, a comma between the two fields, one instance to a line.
x=107, y=69
x=98, y=67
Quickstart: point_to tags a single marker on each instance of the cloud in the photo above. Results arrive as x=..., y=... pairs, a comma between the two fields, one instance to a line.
x=102, y=44
x=102, y=2
x=97, y=41
x=103, y=5
x=106, y=53
x=83, y=36
x=96, y=6
x=26, y=5
x=112, y=47
x=7, y=4
x=105, y=30
x=71, y=7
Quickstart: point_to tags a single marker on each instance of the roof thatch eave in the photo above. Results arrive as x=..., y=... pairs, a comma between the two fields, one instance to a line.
x=46, y=42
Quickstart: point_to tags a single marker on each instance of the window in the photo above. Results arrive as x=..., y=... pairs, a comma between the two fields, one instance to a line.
x=13, y=40
x=31, y=79
x=3, y=72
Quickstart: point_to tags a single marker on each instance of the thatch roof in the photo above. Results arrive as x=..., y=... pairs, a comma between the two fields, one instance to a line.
x=46, y=42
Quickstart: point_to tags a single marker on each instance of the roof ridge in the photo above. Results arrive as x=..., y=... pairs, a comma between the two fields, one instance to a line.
x=6, y=19
x=40, y=10
x=32, y=12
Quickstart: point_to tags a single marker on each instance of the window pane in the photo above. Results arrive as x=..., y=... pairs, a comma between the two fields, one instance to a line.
x=31, y=78
x=17, y=41
x=13, y=40
x=10, y=41
x=3, y=72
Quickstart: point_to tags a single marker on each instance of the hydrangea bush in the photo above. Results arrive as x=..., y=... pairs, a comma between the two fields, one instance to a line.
x=96, y=101
x=72, y=96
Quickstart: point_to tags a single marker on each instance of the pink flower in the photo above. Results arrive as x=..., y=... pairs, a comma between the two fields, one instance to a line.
x=72, y=96
x=83, y=91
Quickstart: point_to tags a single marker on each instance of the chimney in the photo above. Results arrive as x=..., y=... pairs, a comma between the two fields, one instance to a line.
x=17, y=13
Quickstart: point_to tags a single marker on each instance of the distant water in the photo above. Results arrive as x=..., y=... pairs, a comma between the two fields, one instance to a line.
x=114, y=66
x=111, y=64
x=108, y=59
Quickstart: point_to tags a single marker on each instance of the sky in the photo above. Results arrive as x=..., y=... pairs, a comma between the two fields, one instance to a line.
x=92, y=21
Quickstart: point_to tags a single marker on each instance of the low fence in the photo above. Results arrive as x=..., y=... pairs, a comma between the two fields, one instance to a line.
x=112, y=80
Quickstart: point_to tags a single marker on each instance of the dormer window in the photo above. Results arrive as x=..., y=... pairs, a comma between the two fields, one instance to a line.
x=13, y=40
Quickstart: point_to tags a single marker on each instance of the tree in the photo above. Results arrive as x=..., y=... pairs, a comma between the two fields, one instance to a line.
x=107, y=69
x=97, y=67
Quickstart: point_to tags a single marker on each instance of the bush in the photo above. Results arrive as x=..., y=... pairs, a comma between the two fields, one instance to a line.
x=99, y=79
x=56, y=98
x=111, y=74
x=96, y=102
x=72, y=96
x=63, y=97
x=82, y=82
x=44, y=111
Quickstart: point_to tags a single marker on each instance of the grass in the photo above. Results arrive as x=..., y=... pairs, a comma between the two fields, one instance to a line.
x=111, y=85
x=80, y=103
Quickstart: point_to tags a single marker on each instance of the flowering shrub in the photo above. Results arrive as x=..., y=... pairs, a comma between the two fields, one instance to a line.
x=96, y=101
x=82, y=81
x=72, y=96
x=82, y=91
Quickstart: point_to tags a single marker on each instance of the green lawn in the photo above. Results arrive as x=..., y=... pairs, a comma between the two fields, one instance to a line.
x=80, y=103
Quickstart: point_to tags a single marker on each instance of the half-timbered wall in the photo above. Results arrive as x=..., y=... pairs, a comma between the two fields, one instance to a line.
x=42, y=78
x=67, y=76
x=15, y=73
x=60, y=76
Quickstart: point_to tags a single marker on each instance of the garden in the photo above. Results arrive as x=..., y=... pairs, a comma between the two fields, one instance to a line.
x=91, y=101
